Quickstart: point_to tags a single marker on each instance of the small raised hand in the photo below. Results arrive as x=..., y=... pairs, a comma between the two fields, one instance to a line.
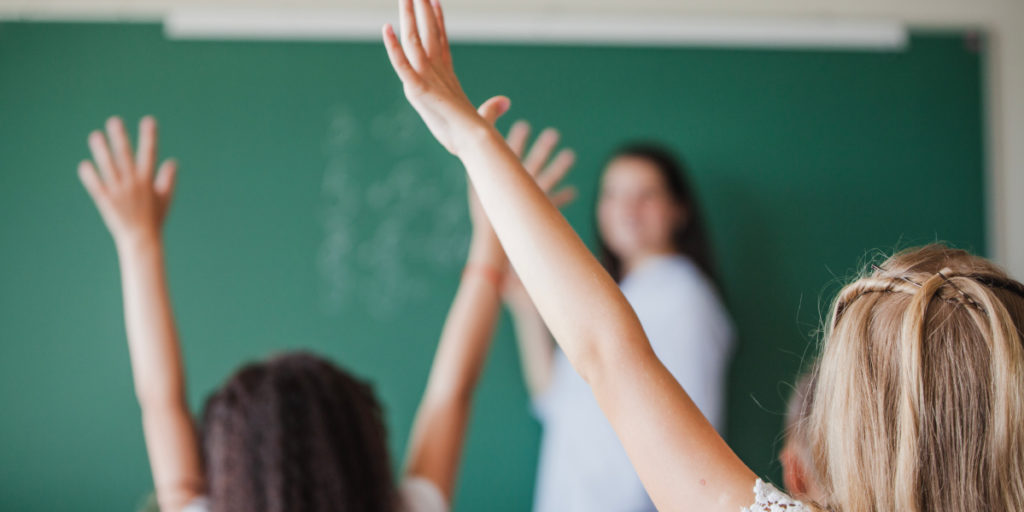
x=132, y=201
x=133, y=196
x=548, y=172
x=423, y=62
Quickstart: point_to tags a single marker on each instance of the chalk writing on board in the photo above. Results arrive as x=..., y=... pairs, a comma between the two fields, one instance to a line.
x=388, y=231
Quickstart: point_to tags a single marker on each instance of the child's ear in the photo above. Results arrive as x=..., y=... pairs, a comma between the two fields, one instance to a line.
x=794, y=474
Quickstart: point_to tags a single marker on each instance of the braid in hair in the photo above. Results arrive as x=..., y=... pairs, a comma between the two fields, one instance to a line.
x=924, y=366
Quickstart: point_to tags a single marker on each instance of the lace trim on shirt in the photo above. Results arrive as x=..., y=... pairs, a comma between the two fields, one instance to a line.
x=769, y=499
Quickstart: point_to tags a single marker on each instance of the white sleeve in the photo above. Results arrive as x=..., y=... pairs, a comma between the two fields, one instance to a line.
x=692, y=335
x=769, y=499
x=421, y=495
x=416, y=494
x=200, y=504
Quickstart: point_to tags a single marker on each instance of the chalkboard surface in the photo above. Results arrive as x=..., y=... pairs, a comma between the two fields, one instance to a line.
x=314, y=210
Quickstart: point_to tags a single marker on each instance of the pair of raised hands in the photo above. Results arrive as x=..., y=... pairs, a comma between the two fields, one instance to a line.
x=133, y=195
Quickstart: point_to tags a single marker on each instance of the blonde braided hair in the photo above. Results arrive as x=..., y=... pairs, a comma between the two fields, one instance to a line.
x=919, y=396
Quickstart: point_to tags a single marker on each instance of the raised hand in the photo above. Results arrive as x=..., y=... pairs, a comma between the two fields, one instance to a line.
x=439, y=430
x=547, y=172
x=681, y=460
x=423, y=62
x=132, y=203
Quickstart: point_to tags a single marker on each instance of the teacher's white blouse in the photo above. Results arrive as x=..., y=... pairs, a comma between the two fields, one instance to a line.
x=583, y=467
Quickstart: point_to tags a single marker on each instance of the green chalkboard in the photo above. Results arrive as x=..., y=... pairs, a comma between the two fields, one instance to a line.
x=314, y=210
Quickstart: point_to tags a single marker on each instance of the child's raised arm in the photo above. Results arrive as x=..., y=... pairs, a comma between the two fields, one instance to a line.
x=133, y=203
x=536, y=348
x=680, y=458
x=438, y=433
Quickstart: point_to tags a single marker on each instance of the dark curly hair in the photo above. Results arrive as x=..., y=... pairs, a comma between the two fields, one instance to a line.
x=296, y=433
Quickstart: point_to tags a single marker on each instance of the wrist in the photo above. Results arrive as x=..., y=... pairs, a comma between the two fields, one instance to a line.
x=138, y=243
x=485, y=248
x=470, y=132
x=495, y=275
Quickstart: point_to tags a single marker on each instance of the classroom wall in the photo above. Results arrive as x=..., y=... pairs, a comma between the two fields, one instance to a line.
x=1003, y=20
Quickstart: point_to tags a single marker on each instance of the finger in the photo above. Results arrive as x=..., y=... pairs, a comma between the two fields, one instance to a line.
x=517, y=137
x=396, y=54
x=96, y=189
x=563, y=197
x=164, y=184
x=494, y=108
x=427, y=23
x=557, y=169
x=92, y=182
x=101, y=154
x=121, y=146
x=410, y=33
x=442, y=31
x=541, y=150
x=145, y=159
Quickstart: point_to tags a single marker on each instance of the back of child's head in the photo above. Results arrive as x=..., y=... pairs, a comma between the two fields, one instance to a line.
x=296, y=433
x=919, y=398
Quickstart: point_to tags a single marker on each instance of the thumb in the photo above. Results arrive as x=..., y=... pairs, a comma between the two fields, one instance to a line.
x=494, y=108
x=164, y=183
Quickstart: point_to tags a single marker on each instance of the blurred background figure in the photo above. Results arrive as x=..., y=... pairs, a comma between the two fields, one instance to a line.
x=653, y=241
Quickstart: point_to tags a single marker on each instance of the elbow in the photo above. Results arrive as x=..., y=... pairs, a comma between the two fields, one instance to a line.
x=603, y=358
x=598, y=359
x=589, y=361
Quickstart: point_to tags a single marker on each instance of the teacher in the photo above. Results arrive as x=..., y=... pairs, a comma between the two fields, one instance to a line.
x=653, y=242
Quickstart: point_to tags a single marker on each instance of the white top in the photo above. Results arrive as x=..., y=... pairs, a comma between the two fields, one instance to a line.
x=416, y=494
x=769, y=499
x=583, y=467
